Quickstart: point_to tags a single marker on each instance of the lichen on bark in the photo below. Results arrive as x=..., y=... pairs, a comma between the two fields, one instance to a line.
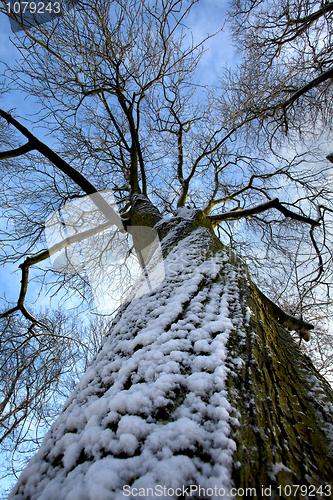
x=284, y=407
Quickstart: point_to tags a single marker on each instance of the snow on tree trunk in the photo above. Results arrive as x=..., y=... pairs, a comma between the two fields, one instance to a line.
x=196, y=386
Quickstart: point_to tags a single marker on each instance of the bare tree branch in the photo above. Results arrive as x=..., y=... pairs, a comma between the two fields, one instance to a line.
x=275, y=203
x=13, y=153
x=62, y=165
x=43, y=255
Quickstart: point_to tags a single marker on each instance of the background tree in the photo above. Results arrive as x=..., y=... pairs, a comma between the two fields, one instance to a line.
x=118, y=90
x=40, y=366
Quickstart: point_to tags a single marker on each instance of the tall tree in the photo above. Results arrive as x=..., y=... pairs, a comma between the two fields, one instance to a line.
x=199, y=381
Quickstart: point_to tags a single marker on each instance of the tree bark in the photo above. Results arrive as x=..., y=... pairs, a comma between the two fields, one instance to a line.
x=196, y=386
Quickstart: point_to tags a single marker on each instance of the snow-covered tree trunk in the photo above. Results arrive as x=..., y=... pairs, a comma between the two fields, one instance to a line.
x=197, y=391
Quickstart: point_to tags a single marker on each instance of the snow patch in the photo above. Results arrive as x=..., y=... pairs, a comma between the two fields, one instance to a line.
x=152, y=408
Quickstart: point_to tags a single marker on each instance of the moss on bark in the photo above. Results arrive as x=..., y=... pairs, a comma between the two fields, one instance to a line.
x=284, y=407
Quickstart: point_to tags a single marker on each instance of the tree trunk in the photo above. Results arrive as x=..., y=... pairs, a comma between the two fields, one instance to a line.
x=196, y=391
